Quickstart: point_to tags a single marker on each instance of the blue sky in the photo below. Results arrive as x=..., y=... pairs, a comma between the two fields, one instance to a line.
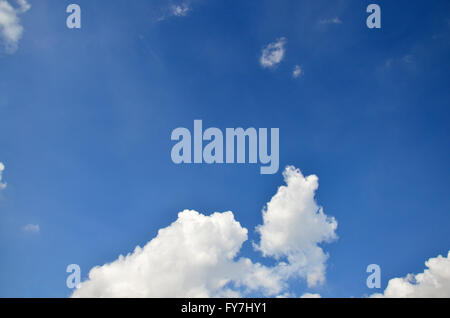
x=86, y=117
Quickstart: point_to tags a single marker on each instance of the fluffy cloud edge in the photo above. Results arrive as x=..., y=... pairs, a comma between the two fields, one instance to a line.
x=433, y=282
x=198, y=255
x=294, y=227
x=11, y=30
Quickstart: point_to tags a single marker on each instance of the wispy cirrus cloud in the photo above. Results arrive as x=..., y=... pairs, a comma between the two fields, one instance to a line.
x=334, y=20
x=408, y=60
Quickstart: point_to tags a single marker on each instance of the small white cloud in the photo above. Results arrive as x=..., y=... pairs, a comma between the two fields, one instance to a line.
x=10, y=28
x=273, y=53
x=334, y=20
x=2, y=184
x=176, y=10
x=197, y=255
x=297, y=71
x=180, y=10
x=32, y=228
x=434, y=282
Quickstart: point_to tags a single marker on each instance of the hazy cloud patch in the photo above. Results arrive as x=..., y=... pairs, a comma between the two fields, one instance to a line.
x=32, y=228
x=10, y=28
x=297, y=71
x=2, y=184
x=273, y=53
x=334, y=20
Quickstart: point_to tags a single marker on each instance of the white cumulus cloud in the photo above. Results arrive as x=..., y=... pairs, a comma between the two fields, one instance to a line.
x=273, y=53
x=297, y=71
x=198, y=255
x=294, y=226
x=2, y=184
x=193, y=257
x=434, y=282
x=10, y=28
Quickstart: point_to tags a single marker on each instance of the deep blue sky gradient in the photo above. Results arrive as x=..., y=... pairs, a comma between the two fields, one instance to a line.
x=86, y=117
